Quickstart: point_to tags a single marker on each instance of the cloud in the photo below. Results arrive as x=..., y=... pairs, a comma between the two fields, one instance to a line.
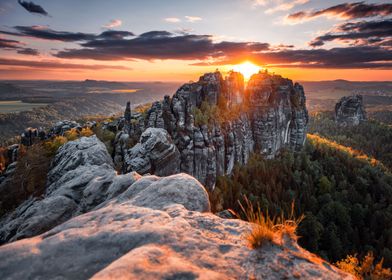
x=113, y=23
x=172, y=19
x=114, y=45
x=9, y=44
x=193, y=18
x=57, y=65
x=285, y=6
x=114, y=34
x=43, y=32
x=278, y=5
x=28, y=51
x=33, y=8
x=160, y=45
x=165, y=45
x=184, y=31
x=358, y=33
x=338, y=58
x=260, y=2
x=344, y=11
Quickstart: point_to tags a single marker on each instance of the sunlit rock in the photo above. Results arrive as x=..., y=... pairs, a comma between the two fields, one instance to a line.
x=266, y=116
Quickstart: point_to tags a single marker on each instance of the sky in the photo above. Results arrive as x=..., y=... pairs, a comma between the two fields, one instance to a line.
x=177, y=40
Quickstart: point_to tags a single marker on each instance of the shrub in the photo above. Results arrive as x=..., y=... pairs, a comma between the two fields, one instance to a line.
x=71, y=134
x=54, y=144
x=106, y=136
x=365, y=269
x=86, y=132
x=74, y=133
x=28, y=179
x=200, y=117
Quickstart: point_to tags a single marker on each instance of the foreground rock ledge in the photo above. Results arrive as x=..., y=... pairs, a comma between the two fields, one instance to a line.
x=146, y=227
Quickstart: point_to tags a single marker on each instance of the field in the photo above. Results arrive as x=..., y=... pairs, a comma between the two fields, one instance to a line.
x=18, y=106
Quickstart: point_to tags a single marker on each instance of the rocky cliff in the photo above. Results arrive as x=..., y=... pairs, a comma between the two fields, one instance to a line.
x=215, y=123
x=93, y=223
x=350, y=110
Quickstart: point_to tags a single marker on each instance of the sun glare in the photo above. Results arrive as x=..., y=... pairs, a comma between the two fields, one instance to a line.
x=247, y=69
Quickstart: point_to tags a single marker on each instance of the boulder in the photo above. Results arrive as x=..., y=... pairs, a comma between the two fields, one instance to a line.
x=155, y=153
x=350, y=110
x=81, y=177
x=154, y=231
x=63, y=126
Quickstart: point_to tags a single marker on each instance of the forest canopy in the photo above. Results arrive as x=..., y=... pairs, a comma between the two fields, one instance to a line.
x=346, y=197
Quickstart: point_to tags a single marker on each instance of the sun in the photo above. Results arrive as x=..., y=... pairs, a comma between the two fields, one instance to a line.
x=247, y=69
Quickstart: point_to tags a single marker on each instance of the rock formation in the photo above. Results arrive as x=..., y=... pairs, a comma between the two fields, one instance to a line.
x=350, y=110
x=156, y=153
x=266, y=116
x=93, y=223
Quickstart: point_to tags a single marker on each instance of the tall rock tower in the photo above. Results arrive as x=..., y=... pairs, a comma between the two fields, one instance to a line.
x=127, y=118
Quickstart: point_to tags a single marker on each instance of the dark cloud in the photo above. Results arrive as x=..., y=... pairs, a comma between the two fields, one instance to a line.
x=33, y=8
x=28, y=51
x=9, y=44
x=349, y=57
x=346, y=11
x=114, y=34
x=160, y=45
x=43, y=32
x=123, y=45
x=344, y=58
x=164, y=45
x=359, y=33
x=57, y=65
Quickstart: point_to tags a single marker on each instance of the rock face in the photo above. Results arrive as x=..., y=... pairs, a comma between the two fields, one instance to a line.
x=350, y=110
x=155, y=153
x=266, y=116
x=70, y=189
x=94, y=223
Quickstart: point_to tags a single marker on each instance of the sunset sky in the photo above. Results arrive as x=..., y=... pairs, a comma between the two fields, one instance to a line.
x=177, y=40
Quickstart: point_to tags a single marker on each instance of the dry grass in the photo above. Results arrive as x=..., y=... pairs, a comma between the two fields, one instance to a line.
x=365, y=269
x=86, y=132
x=266, y=229
x=53, y=144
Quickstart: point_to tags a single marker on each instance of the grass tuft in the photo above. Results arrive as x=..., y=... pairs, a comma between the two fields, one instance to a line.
x=266, y=229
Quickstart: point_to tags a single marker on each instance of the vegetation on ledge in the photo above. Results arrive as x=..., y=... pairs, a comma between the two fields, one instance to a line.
x=372, y=137
x=347, y=201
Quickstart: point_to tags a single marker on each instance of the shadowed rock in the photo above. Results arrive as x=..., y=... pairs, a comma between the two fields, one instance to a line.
x=350, y=110
x=155, y=153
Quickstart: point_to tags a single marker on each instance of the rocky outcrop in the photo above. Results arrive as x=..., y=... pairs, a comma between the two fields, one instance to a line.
x=95, y=224
x=268, y=115
x=350, y=110
x=235, y=86
x=120, y=147
x=155, y=153
x=81, y=176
